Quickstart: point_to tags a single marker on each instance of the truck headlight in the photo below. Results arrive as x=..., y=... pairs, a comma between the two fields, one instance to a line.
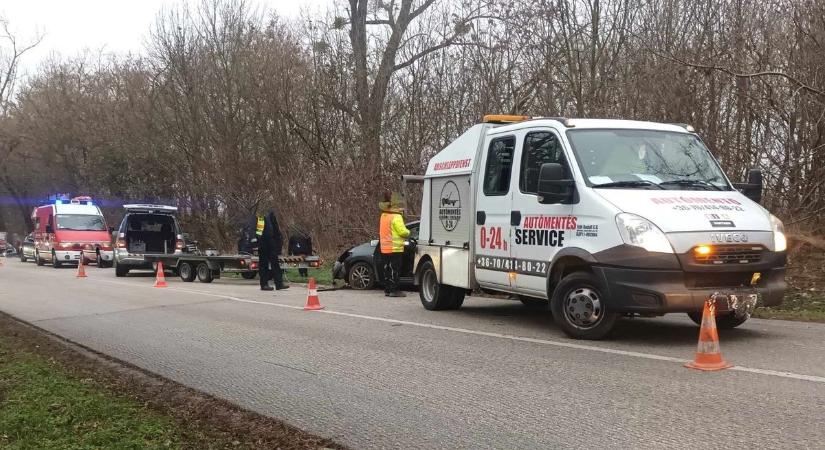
x=641, y=232
x=780, y=242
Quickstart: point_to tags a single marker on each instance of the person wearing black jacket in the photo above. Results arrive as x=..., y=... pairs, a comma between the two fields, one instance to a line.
x=270, y=243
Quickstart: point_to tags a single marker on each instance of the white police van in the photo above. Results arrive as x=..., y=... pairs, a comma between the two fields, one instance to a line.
x=603, y=218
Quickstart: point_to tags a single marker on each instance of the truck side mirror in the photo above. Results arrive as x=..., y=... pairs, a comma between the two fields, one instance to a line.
x=552, y=186
x=753, y=188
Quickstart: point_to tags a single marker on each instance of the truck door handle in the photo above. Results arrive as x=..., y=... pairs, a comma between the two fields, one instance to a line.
x=481, y=217
x=515, y=218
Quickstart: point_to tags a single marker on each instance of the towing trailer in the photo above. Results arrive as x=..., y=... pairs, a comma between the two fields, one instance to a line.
x=207, y=268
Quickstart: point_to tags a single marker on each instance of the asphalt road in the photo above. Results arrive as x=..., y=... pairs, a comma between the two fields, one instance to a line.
x=373, y=372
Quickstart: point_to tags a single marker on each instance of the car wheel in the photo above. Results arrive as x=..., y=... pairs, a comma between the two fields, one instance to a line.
x=727, y=321
x=248, y=275
x=205, y=273
x=187, y=272
x=22, y=257
x=361, y=276
x=436, y=296
x=578, y=307
x=55, y=263
x=37, y=260
x=534, y=303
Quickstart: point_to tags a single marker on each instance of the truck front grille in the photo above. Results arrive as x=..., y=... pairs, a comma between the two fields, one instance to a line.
x=730, y=254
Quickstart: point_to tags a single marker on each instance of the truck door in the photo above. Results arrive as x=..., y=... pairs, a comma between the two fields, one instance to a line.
x=493, y=206
x=538, y=231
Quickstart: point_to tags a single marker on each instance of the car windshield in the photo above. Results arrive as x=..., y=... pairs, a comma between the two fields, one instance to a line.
x=646, y=159
x=80, y=222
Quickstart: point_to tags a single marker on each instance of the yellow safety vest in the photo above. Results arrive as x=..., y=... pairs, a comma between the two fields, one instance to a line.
x=392, y=232
x=259, y=227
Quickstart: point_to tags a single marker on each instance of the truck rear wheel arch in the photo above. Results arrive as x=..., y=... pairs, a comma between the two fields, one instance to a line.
x=417, y=275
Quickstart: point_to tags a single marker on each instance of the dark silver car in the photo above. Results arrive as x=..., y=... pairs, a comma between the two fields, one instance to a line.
x=359, y=268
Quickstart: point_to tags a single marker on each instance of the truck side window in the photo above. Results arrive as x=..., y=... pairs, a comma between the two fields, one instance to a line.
x=499, y=166
x=539, y=148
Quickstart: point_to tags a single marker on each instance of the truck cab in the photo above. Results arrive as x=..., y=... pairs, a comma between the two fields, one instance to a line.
x=600, y=218
x=68, y=229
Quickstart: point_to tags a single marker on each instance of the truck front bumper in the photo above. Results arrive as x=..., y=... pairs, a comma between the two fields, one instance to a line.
x=655, y=291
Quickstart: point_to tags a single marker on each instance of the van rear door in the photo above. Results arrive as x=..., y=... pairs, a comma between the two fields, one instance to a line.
x=493, y=206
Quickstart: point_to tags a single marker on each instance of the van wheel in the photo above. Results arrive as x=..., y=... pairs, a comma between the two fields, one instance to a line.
x=55, y=263
x=37, y=259
x=533, y=303
x=436, y=296
x=727, y=321
x=204, y=273
x=578, y=307
x=187, y=272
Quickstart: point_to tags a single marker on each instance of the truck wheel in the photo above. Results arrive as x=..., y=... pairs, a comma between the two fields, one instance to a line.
x=101, y=263
x=204, y=273
x=578, y=307
x=361, y=276
x=37, y=259
x=248, y=275
x=187, y=272
x=55, y=263
x=534, y=303
x=436, y=296
x=727, y=321
x=120, y=271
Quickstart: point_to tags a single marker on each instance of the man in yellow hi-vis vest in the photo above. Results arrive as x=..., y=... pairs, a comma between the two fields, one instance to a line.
x=392, y=233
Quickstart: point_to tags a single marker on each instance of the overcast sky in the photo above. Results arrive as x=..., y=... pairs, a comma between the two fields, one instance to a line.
x=70, y=27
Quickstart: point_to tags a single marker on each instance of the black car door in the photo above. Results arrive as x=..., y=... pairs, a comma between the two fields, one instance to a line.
x=408, y=260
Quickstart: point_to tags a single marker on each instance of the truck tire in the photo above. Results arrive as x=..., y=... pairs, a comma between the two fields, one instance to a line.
x=187, y=272
x=436, y=296
x=248, y=275
x=55, y=263
x=728, y=321
x=101, y=263
x=361, y=276
x=205, y=273
x=578, y=307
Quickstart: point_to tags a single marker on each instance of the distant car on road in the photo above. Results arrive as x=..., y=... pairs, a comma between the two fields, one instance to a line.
x=358, y=266
x=27, y=248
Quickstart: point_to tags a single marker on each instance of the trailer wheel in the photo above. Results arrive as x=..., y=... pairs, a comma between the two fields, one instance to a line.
x=724, y=322
x=248, y=275
x=578, y=307
x=205, y=273
x=187, y=272
x=436, y=296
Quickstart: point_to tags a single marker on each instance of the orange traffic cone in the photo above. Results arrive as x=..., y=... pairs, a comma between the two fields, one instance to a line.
x=81, y=270
x=160, y=278
x=313, y=304
x=708, y=355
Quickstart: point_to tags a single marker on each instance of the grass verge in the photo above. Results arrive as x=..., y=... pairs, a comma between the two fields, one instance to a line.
x=54, y=395
x=797, y=305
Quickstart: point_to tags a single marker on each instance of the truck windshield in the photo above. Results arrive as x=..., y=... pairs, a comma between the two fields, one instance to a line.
x=646, y=159
x=78, y=222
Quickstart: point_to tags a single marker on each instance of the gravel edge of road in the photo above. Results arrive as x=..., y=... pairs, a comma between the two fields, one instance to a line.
x=190, y=408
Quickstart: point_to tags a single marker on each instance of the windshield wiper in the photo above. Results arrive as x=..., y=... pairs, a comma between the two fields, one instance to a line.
x=701, y=183
x=630, y=183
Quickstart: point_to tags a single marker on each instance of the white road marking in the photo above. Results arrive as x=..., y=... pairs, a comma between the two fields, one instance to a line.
x=650, y=356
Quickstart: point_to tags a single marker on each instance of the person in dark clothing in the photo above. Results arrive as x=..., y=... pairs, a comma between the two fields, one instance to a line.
x=300, y=244
x=270, y=243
